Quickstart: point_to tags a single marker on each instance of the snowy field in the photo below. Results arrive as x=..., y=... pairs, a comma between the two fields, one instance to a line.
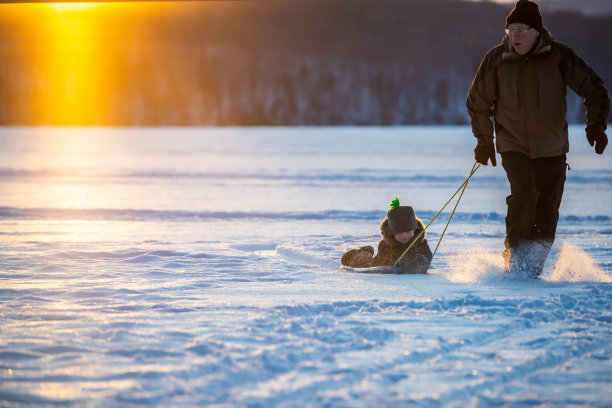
x=199, y=267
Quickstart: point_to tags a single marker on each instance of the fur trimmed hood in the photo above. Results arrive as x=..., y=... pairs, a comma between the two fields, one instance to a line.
x=384, y=230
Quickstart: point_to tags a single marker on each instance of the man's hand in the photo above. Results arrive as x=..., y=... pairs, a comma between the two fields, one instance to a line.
x=484, y=152
x=596, y=136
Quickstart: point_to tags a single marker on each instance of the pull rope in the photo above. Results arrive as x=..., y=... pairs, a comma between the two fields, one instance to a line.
x=462, y=187
x=455, y=208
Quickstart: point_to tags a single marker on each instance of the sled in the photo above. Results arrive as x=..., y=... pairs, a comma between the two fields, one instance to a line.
x=372, y=269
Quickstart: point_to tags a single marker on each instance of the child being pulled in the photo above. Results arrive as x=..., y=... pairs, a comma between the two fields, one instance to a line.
x=400, y=230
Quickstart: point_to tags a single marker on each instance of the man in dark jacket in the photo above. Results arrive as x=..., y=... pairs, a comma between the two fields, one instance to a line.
x=519, y=93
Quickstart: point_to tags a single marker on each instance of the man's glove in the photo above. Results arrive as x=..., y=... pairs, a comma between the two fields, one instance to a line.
x=596, y=136
x=484, y=152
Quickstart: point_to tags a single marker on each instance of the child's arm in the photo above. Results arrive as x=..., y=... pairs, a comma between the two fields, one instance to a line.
x=418, y=261
x=385, y=256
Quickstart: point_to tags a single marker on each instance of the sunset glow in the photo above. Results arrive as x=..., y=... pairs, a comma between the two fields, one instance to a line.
x=75, y=63
x=73, y=6
x=74, y=55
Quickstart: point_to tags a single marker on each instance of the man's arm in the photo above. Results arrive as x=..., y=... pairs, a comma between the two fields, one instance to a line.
x=481, y=99
x=586, y=83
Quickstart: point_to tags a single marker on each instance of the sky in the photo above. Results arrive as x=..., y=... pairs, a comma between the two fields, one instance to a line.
x=588, y=7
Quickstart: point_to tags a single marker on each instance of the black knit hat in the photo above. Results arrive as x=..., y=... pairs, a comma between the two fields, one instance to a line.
x=526, y=12
x=401, y=219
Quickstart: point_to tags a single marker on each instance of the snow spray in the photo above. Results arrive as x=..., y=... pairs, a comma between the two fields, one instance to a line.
x=569, y=264
x=575, y=265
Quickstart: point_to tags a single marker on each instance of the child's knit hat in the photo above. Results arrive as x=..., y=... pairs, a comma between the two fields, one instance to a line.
x=401, y=218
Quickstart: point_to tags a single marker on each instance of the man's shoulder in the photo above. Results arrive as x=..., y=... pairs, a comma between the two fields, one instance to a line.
x=564, y=53
x=492, y=58
x=495, y=52
x=561, y=48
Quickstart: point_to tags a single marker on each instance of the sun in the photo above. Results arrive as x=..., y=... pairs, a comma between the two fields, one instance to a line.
x=74, y=53
x=72, y=6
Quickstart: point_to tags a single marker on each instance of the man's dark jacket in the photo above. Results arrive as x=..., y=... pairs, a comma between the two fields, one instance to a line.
x=524, y=97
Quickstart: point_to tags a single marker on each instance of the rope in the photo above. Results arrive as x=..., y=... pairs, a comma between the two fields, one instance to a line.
x=462, y=187
x=454, y=209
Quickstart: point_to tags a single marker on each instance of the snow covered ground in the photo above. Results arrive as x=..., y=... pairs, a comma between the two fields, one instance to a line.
x=199, y=267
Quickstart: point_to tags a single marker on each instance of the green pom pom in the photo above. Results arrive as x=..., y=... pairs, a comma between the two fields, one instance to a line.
x=394, y=203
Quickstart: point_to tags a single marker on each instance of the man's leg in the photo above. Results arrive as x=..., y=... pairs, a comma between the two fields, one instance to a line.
x=550, y=175
x=521, y=202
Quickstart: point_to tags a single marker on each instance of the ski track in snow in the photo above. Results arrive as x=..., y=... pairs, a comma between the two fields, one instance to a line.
x=167, y=326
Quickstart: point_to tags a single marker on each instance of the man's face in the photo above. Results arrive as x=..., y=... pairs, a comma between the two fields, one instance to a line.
x=522, y=37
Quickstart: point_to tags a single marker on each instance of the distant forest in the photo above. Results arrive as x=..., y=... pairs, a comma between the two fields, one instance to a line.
x=295, y=62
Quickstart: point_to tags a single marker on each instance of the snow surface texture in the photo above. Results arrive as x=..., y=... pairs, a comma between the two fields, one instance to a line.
x=199, y=267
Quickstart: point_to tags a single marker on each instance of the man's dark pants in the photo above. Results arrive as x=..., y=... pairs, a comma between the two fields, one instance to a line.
x=536, y=189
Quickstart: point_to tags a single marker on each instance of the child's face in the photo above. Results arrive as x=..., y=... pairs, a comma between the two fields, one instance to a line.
x=404, y=237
